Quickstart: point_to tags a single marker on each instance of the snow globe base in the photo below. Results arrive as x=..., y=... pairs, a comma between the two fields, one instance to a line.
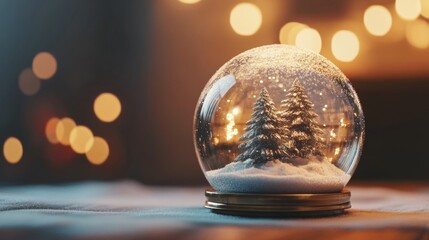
x=278, y=205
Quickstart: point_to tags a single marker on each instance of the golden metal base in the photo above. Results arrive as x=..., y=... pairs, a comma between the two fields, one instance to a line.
x=278, y=205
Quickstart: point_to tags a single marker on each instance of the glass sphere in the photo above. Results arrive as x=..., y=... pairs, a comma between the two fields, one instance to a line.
x=278, y=119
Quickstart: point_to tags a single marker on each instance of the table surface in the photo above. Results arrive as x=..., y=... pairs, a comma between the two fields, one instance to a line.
x=129, y=210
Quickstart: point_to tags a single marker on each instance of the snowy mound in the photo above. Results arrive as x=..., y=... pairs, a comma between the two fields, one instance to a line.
x=279, y=177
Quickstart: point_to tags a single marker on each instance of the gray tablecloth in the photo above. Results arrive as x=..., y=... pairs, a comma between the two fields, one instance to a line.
x=127, y=209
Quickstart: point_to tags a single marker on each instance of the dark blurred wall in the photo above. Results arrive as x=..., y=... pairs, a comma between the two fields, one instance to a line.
x=397, y=129
x=100, y=46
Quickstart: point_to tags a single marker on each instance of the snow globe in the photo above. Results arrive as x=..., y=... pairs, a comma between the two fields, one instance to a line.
x=278, y=130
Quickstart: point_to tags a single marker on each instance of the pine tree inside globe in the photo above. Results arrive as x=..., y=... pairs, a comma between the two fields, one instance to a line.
x=278, y=131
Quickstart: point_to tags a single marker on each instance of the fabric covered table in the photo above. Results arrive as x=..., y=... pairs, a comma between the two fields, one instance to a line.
x=129, y=210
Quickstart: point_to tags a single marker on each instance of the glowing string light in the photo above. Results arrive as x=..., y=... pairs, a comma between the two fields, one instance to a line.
x=63, y=129
x=107, y=107
x=377, y=20
x=309, y=38
x=50, y=130
x=245, y=19
x=81, y=139
x=13, y=150
x=417, y=34
x=28, y=83
x=44, y=65
x=289, y=31
x=345, y=45
x=98, y=152
x=408, y=9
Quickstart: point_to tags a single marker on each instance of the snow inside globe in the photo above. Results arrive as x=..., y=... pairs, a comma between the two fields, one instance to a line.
x=278, y=119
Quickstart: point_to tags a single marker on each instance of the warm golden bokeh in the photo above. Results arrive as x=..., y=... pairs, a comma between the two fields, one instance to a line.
x=417, y=33
x=424, y=8
x=345, y=46
x=107, y=107
x=50, y=130
x=245, y=19
x=81, y=139
x=12, y=150
x=28, y=83
x=189, y=1
x=377, y=20
x=44, y=65
x=99, y=151
x=289, y=31
x=408, y=9
x=309, y=38
x=63, y=129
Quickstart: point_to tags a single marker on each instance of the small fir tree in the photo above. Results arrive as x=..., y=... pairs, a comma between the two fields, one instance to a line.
x=262, y=138
x=298, y=116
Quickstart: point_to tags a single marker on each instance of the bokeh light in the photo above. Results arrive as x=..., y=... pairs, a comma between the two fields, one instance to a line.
x=345, y=46
x=189, y=1
x=99, y=151
x=28, y=83
x=424, y=8
x=377, y=20
x=12, y=150
x=245, y=19
x=63, y=130
x=50, y=130
x=81, y=139
x=408, y=9
x=107, y=107
x=289, y=31
x=44, y=65
x=417, y=33
x=309, y=38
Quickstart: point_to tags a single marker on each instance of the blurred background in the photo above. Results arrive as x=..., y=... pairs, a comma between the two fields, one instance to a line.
x=106, y=90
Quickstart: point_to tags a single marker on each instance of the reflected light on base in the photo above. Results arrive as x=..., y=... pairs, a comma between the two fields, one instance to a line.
x=28, y=83
x=289, y=31
x=107, y=107
x=44, y=65
x=99, y=151
x=408, y=9
x=417, y=34
x=81, y=139
x=50, y=130
x=12, y=150
x=345, y=46
x=377, y=20
x=309, y=38
x=189, y=1
x=245, y=19
x=63, y=129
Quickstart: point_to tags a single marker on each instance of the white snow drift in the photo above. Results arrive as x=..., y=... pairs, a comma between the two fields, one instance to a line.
x=314, y=176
